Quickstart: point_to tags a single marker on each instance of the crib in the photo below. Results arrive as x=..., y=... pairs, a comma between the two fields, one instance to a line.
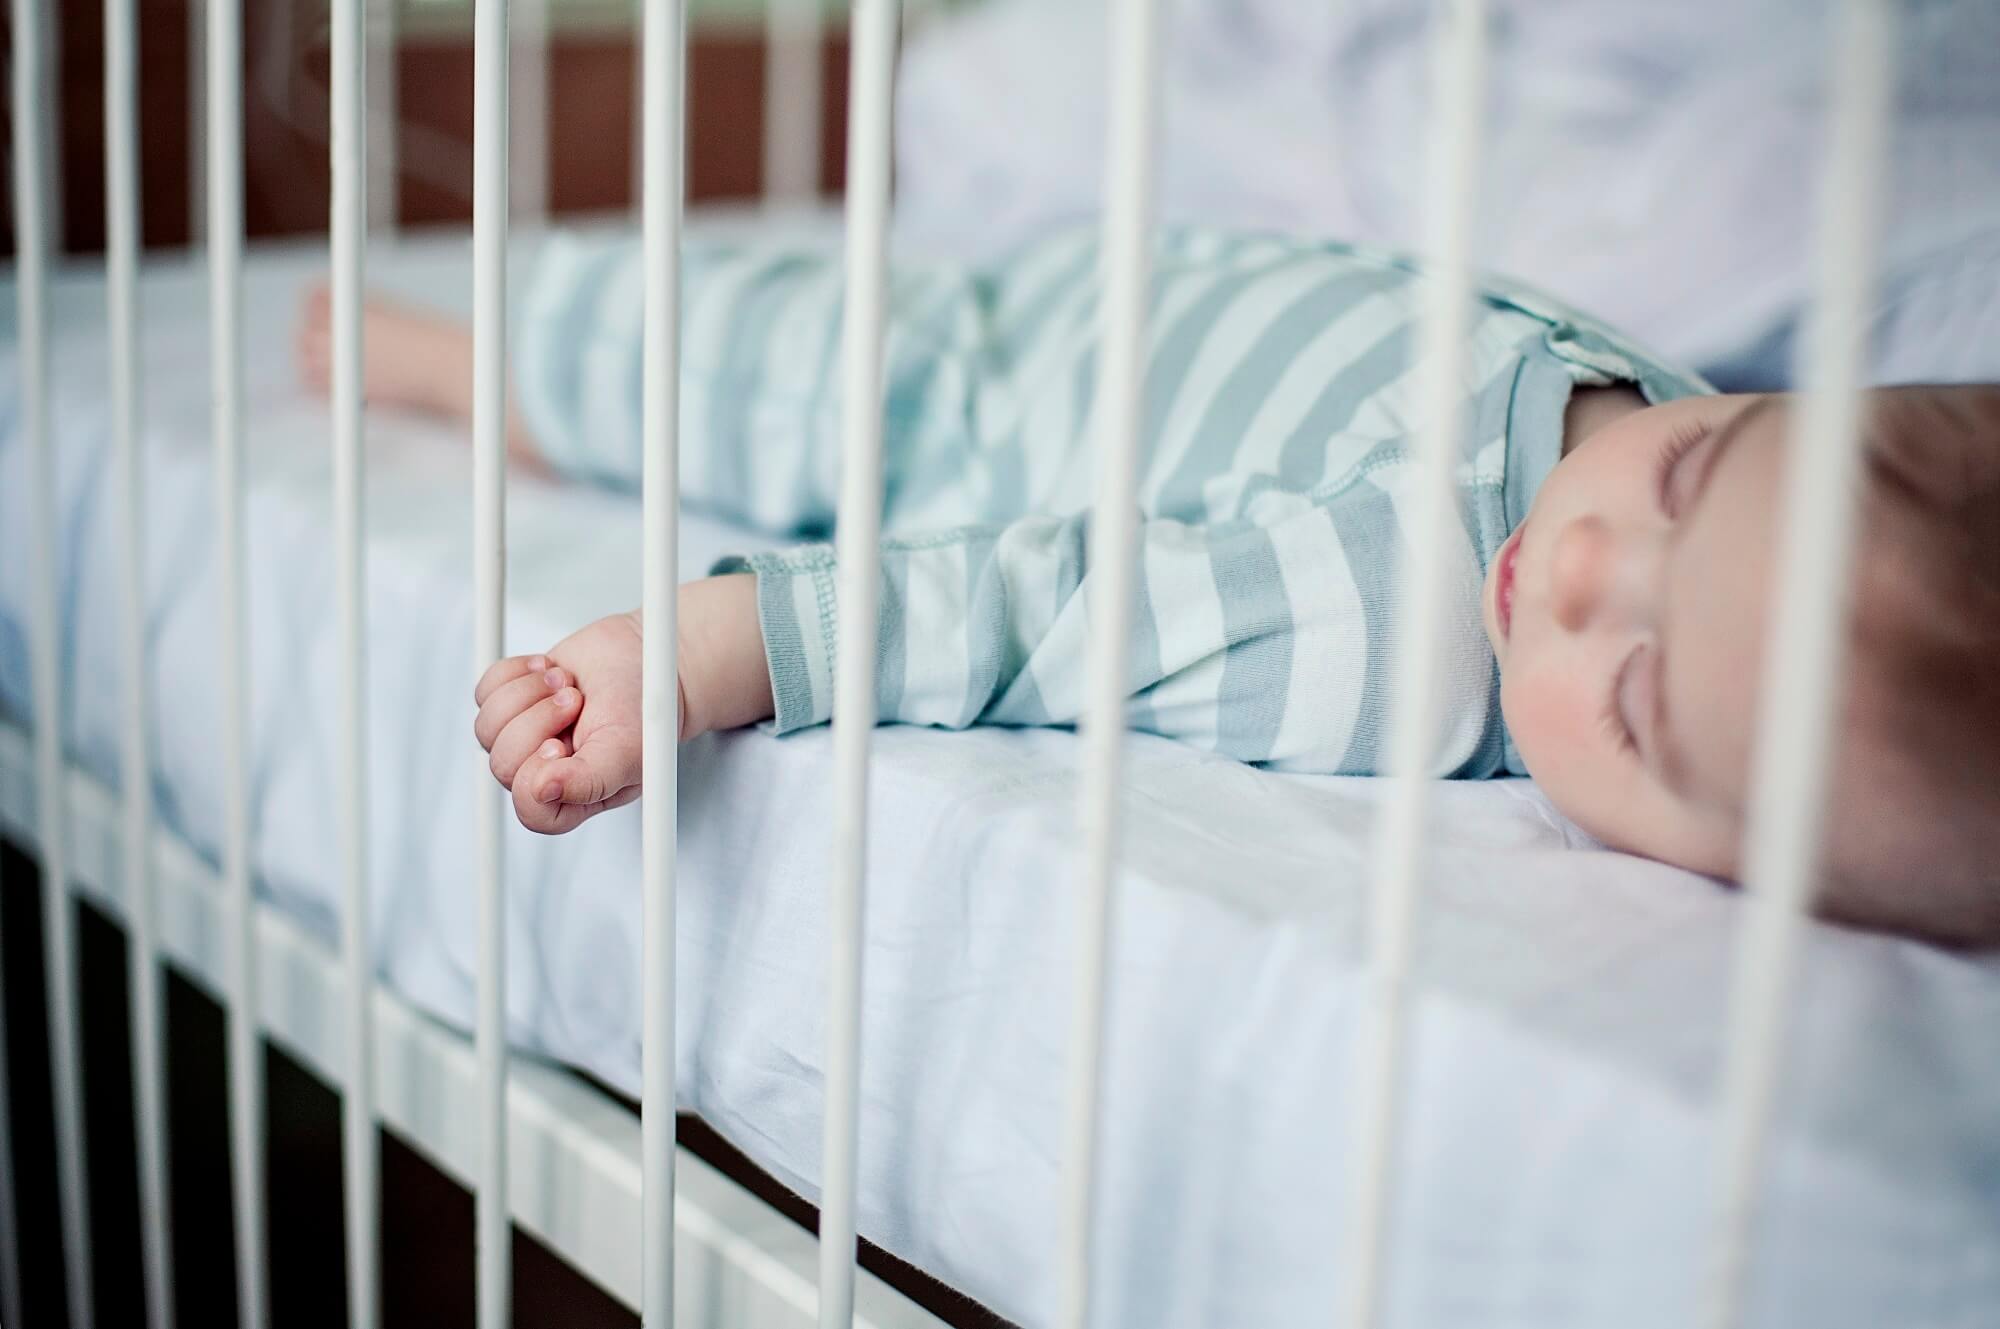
x=563, y=1160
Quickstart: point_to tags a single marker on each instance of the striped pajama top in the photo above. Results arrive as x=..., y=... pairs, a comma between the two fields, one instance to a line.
x=1278, y=466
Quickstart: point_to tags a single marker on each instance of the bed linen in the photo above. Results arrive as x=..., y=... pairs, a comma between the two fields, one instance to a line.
x=1557, y=1146
x=1656, y=165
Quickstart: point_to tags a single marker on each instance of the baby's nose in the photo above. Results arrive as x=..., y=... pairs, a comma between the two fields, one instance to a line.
x=1580, y=572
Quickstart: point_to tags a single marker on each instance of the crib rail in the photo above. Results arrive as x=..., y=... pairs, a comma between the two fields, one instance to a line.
x=665, y=70
x=873, y=58
x=1458, y=91
x=237, y=949
x=1796, y=729
x=121, y=256
x=31, y=234
x=346, y=226
x=1133, y=80
x=223, y=234
x=490, y=199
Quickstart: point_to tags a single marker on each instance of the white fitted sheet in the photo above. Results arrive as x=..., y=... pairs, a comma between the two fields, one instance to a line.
x=1558, y=1140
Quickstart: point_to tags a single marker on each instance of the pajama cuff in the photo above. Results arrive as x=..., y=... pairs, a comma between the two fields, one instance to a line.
x=795, y=609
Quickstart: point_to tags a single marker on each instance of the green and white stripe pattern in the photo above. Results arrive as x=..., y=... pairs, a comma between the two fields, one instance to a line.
x=1280, y=404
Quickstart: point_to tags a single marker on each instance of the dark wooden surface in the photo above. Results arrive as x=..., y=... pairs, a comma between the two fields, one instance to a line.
x=285, y=154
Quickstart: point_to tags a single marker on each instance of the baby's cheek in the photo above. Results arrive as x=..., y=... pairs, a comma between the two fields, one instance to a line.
x=1558, y=735
x=1556, y=718
x=1542, y=713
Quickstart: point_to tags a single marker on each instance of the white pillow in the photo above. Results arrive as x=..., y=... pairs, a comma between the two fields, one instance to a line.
x=1656, y=165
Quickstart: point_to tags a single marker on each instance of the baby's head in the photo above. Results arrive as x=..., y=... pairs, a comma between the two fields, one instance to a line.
x=1629, y=613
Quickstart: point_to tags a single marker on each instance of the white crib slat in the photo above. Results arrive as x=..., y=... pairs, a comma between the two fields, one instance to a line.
x=792, y=45
x=224, y=234
x=382, y=88
x=1806, y=656
x=32, y=222
x=121, y=252
x=664, y=56
x=636, y=176
x=197, y=95
x=1133, y=88
x=872, y=34
x=347, y=228
x=49, y=49
x=528, y=111
x=490, y=142
x=1458, y=80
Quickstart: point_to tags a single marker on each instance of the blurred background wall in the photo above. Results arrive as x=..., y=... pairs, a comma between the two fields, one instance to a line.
x=592, y=68
x=1654, y=164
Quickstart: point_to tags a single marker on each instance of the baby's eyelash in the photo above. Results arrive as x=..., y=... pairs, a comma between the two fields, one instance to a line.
x=1678, y=445
x=1615, y=729
x=1613, y=719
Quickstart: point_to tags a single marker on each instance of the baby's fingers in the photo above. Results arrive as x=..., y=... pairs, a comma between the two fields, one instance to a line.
x=603, y=766
x=505, y=670
x=558, y=818
x=552, y=796
x=512, y=699
x=532, y=732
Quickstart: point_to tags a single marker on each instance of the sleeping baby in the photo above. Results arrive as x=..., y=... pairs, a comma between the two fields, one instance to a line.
x=1610, y=571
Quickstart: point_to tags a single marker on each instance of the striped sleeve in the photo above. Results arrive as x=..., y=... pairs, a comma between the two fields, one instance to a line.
x=1251, y=638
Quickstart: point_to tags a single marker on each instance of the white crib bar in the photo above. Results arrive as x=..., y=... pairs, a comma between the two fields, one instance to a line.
x=32, y=221
x=222, y=78
x=490, y=144
x=664, y=55
x=197, y=77
x=1133, y=88
x=382, y=98
x=121, y=255
x=347, y=236
x=1806, y=654
x=49, y=51
x=528, y=111
x=792, y=46
x=1458, y=83
x=636, y=176
x=872, y=63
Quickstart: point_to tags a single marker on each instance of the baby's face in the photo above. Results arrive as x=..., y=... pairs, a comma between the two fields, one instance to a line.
x=1628, y=615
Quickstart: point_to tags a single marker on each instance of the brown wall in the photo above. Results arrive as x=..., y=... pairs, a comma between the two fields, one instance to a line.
x=285, y=182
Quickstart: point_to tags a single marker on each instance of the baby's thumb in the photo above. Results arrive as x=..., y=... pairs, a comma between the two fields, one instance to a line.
x=602, y=766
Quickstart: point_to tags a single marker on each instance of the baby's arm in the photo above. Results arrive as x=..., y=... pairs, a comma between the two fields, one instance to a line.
x=563, y=727
x=1248, y=638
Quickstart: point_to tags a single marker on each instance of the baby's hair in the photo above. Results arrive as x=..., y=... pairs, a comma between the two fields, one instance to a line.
x=1923, y=709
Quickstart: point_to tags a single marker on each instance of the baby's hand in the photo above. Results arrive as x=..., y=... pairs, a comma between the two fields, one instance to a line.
x=563, y=728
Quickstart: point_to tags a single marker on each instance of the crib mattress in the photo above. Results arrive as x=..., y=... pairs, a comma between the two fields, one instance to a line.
x=1567, y=1032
